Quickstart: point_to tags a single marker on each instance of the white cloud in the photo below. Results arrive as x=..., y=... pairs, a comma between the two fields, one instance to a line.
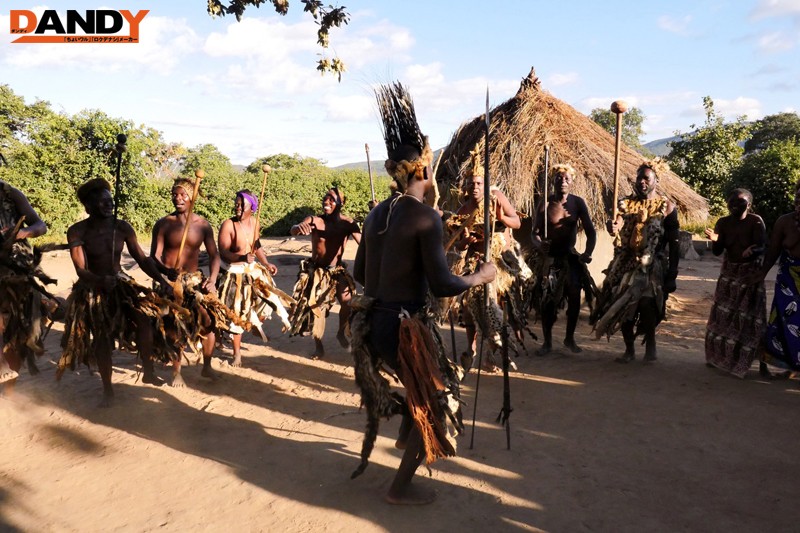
x=350, y=108
x=777, y=41
x=675, y=25
x=163, y=43
x=776, y=8
x=739, y=106
x=561, y=79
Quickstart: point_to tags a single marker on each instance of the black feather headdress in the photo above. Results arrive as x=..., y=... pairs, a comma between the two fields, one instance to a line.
x=401, y=131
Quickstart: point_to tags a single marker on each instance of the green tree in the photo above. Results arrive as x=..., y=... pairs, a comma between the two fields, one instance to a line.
x=325, y=17
x=707, y=157
x=781, y=126
x=771, y=174
x=220, y=184
x=632, y=121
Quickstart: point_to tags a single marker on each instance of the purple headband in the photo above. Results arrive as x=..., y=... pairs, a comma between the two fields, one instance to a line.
x=250, y=198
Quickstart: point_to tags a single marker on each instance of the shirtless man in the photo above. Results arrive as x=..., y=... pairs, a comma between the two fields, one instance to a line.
x=329, y=235
x=14, y=205
x=166, y=243
x=564, y=211
x=98, y=268
x=239, y=246
x=400, y=258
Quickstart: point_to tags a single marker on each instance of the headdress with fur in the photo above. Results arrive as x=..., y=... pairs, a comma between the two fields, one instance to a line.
x=186, y=184
x=86, y=190
x=400, y=128
x=555, y=170
x=656, y=165
x=475, y=167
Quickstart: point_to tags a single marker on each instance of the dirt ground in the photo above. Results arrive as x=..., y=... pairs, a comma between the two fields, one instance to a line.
x=595, y=445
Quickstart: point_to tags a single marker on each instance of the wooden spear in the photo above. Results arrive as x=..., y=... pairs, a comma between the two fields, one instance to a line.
x=369, y=168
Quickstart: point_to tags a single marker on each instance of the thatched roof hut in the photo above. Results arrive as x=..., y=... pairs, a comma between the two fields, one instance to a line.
x=522, y=126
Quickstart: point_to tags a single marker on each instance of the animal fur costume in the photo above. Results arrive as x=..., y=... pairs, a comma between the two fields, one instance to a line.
x=249, y=291
x=315, y=294
x=116, y=314
x=514, y=280
x=431, y=380
x=638, y=267
x=25, y=304
x=187, y=331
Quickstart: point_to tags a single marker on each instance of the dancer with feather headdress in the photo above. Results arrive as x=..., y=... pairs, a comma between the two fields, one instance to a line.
x=399, y=260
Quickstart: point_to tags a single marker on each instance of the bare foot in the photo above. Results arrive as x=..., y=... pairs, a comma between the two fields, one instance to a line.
x=627, y=357
x=544, y=350
x=318, y=354
x=108, y=400
x=209, y=373
x=411, y=495
x=570, y=343
x=152, y=379
x=33, y=369
x=400, y=444
x=177, y=381
x=237, y=361
x=6, y=374
x=343, y=340
x=466, y=361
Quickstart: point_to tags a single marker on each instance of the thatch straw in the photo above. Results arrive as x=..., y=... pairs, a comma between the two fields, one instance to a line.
x=520, y=129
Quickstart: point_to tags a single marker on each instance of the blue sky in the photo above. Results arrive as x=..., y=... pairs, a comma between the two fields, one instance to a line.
x=251, y=88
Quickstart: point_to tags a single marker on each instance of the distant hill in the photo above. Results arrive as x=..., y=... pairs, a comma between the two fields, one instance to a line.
x=659, y=146
x=377, y=166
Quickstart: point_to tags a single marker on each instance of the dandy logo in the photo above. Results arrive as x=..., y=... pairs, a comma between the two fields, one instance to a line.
x=91, y=26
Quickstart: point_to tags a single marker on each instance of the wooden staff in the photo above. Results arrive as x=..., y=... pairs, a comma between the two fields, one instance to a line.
x=546, y=188
x=122, y=139
x=266, y=169
x=369, y=168
x=433, y=198
x=199, y=175
x=618, y=107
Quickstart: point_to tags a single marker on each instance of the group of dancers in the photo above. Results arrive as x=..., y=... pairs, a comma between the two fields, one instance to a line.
x=417, y=265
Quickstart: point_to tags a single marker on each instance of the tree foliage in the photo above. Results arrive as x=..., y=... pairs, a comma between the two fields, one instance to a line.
x=632, y=121
x=325, y=17
x=48, y=155
x=771, y=174
x=778, y=127
x=707, y=157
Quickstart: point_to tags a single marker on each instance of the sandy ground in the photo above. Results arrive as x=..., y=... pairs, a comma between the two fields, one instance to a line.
x=595, y=446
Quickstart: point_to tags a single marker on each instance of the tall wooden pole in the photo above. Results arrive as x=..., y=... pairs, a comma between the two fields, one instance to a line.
x=618, y=108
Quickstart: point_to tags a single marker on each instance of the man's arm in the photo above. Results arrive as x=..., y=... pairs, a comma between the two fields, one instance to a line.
x=538, y=223
x=147, y=264
x=672, y=234
x=507, y=215
x=718, y=244
x=440, y=280
x=261, y=255
x=588, y=229
x=157, y=250
x=213, y=256
x=775, y=246
x=759, y=238
x=355, y=231
x=304, y=227
x=359, y=270
x=34, y=226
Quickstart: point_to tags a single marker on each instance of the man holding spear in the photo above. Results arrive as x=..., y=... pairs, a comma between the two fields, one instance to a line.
x=176, y=243
x=399, y=260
